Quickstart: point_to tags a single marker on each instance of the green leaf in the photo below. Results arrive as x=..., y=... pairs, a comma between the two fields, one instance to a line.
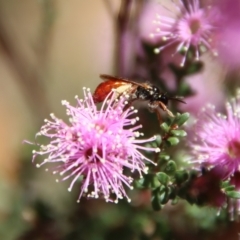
x=185, y=90
x=194, y=67
x=181, y=176
x=163, y=178
x=170, y=167
x=164, y=127
x=144, y=182
x=225, y=184
x=139, y=183
x=173, y=141
x=229, y=188
x=175, y=201
x=164, y=156
x=178, y=133
x=158, y=139
x=155, y=182
x=156, y=204
x=181, y=118
x=164, y=197
x=233, y=194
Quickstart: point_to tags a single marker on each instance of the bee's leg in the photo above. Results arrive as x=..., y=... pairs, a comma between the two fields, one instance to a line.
x=154, y=107
x=164, y=108
x=158, y=115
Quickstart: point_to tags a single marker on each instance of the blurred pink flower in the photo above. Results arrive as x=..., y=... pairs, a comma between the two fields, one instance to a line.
x=207, y=86
x=191, y=28
x=95, y=147
x=216, y=138
x=228, y=39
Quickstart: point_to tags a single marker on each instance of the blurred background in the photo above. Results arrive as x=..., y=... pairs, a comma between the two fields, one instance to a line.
x=49, y=50
x=48, y=53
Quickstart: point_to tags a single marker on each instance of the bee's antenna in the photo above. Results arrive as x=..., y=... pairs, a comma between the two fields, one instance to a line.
x=178, y=99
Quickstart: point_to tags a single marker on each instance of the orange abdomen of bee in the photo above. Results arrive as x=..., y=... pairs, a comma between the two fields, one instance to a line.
x=104, y=88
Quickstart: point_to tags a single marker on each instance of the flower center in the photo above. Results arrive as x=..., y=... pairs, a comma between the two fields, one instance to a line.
x=89, y=155
x=100, y=127
x=190, y=28
x=234, y=149
x=194, y=26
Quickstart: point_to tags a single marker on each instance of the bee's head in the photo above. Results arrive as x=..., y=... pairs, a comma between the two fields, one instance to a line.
x=164, y=98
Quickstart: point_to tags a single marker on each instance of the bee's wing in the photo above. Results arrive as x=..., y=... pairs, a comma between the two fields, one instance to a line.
x=106, y=77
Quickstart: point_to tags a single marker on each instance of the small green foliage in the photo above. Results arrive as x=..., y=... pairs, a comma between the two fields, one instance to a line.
x=148, y=181
x=185, y=89
x=229, y=188
x=170, y=167
x=140, y=183
x=175, y=201
x=158, y=140
x=164, y=156
x=225, y=184
x=156, y=200
x=194, y=67
x=166, y=181
x=178, y=133
x=233, y=194
x=155, y=182
x=180, y=119
x=173, y=141
x=163, y=178
x=144, y=182
x=165, y=193
x=181, y=176
x=156, y=143
x=164, y=126
x=164, y=197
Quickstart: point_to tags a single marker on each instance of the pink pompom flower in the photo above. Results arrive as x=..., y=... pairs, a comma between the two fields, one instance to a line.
x=215, y=138
x=191, y=28
x=97, y=148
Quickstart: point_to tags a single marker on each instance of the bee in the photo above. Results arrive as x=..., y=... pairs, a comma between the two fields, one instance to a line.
x=136, y=91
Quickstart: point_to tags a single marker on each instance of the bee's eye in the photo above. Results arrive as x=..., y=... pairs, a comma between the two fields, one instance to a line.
x=164, y=99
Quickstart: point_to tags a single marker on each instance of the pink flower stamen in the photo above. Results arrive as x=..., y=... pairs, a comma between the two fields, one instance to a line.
x=95, y=147
x=193, y=26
